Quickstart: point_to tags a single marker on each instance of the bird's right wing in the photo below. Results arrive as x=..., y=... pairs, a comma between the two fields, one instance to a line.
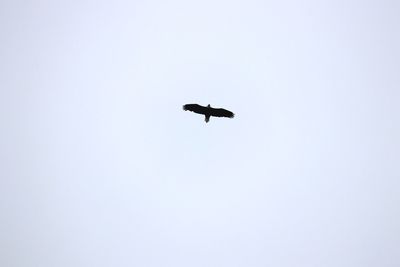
x=195, y=108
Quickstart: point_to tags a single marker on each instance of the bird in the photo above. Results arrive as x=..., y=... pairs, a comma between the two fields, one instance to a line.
x=208, y=111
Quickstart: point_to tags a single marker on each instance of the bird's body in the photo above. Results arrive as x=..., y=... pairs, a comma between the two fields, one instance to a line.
x=208, y=111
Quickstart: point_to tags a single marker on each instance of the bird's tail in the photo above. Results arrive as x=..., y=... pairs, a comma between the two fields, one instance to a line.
x=207, y=119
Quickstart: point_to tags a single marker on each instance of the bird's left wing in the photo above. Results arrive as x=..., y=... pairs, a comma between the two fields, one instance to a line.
x=220, y=112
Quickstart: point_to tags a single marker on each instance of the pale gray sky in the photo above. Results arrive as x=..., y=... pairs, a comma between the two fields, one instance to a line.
x=100, y=166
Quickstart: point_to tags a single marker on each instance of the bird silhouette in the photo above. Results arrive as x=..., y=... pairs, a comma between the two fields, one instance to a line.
x=208, y=111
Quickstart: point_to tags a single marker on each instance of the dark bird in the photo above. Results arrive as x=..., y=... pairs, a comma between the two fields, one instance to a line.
x=208, y=111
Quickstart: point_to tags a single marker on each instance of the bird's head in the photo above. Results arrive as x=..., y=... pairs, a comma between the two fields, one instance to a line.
x=208, y=106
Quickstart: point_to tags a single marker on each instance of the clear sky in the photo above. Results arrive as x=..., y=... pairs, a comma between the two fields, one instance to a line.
x=100, y=166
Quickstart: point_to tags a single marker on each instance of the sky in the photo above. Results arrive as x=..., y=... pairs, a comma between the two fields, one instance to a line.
x=100, y=166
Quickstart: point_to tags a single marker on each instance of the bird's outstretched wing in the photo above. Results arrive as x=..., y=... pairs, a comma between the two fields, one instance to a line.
x=220, y=112
x=195, y=108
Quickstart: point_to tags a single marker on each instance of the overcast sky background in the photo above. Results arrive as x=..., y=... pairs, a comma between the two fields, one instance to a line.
x=100, y=166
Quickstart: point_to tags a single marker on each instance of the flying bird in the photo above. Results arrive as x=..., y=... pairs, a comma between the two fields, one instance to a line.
x=208, y=111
